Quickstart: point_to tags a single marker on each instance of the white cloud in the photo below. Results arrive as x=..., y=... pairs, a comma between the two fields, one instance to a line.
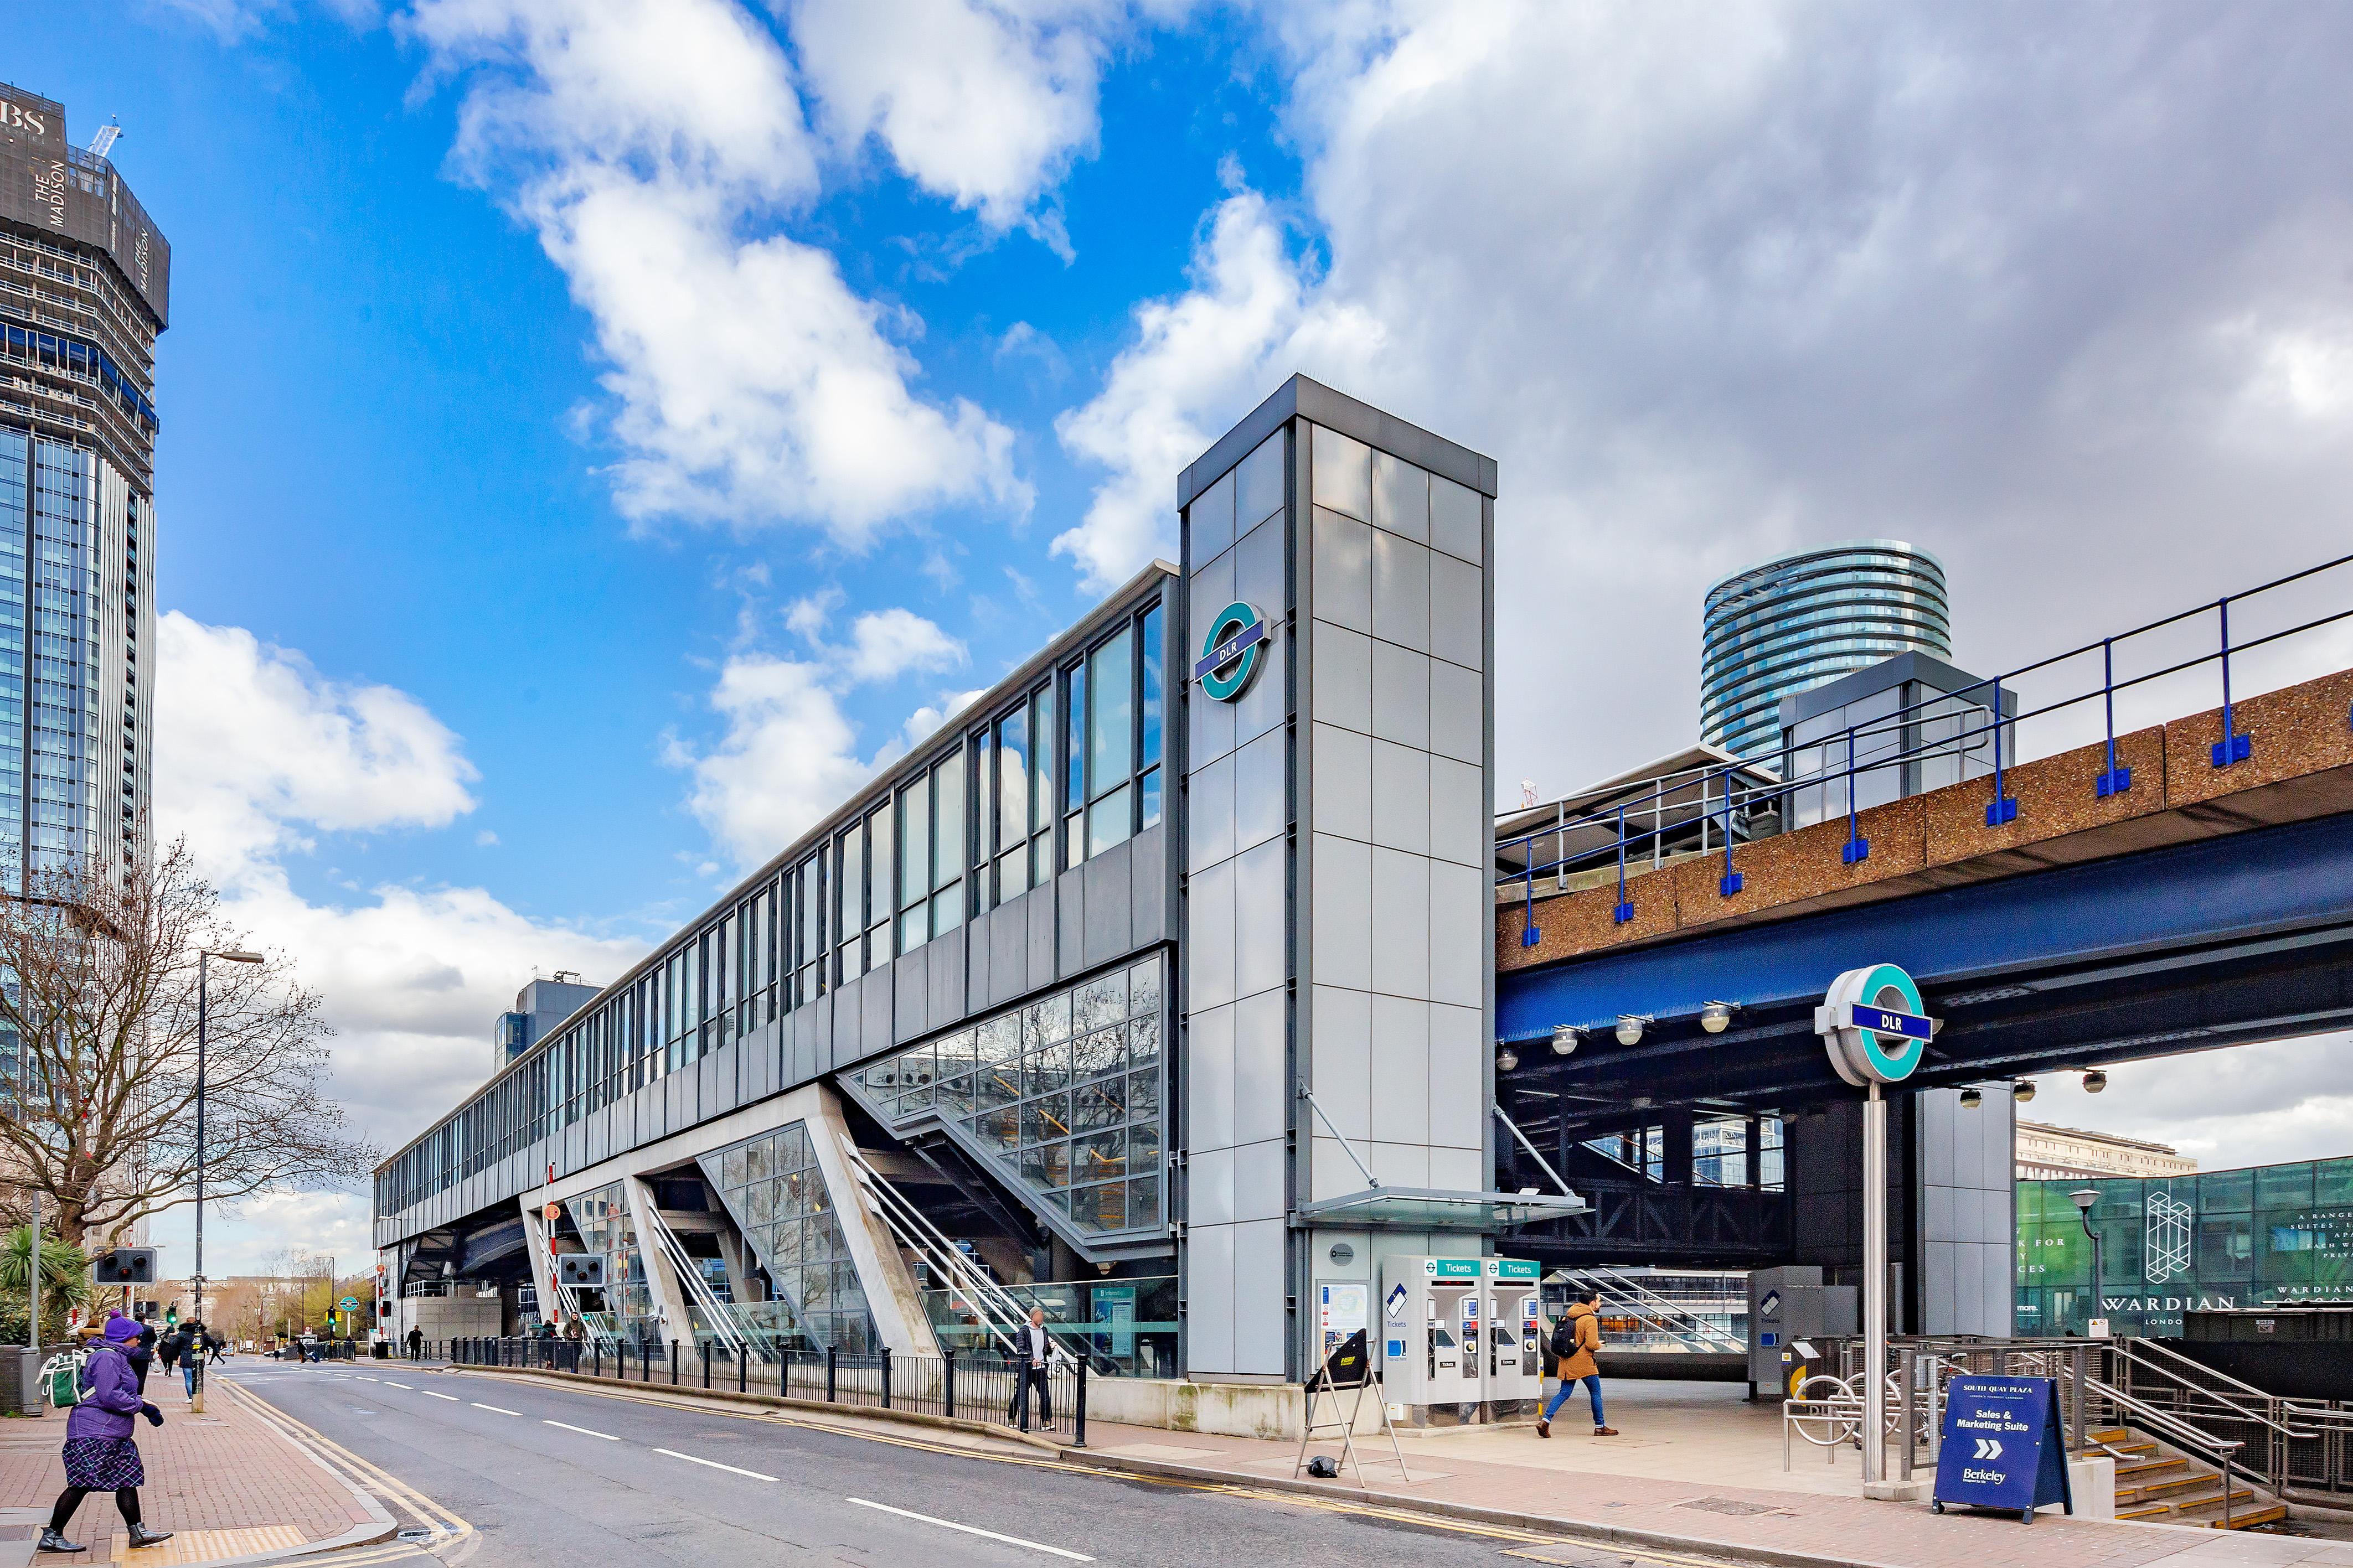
x=788, y=756
x=985, y=104
x=260, y=754
x=653, y=145
x=887, y=643
x=1251, y=317
x=2249, y=1105
x=806, y=617
x=788, y=753
x=259, y=749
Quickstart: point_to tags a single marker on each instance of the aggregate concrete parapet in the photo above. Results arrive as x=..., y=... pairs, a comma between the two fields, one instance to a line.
x=2300, y=765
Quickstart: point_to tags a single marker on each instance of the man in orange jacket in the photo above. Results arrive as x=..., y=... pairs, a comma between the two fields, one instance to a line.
x=1573, y=1339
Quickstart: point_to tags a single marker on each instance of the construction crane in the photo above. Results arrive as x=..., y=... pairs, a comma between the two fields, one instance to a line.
x=108, y=135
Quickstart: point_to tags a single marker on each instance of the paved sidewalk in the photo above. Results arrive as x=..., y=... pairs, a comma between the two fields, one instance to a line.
x=1698, y=1501
x=226, y=1483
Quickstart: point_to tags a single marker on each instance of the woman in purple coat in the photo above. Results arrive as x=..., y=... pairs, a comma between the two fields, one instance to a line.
x=100, y=1455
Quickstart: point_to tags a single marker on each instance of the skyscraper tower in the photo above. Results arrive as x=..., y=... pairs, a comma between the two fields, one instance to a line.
x=84, y=283
x=1808, y=616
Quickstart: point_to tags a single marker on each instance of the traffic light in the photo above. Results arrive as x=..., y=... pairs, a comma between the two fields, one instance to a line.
x=171, y=1315
x=581, y=1270
x=124, y=1265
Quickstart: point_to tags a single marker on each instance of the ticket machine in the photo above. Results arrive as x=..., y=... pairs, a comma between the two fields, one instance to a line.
x=1432, y=1337
x=1515, y=1324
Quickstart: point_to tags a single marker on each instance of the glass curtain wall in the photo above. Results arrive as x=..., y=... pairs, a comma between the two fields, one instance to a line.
x=1063, y=1096
x=602, y=1218
x=963, y=832
x=773, y=1189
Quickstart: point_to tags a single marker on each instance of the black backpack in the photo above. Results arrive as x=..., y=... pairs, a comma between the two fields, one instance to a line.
x=1563, y=1344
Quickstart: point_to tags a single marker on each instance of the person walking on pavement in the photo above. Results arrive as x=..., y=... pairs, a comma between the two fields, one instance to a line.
x=416, y=1343
x=1573, y=1339
x=140, y=1355
x=192, y=1356
x=216, y=1349
x=1033, y=1351
x=99, y=1454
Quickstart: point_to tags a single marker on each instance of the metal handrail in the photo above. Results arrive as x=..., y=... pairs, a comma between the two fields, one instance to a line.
x=2136, y=1352
x=1662, y=1314
x=1967, y=738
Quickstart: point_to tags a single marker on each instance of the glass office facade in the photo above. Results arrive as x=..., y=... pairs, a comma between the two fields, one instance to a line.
x=1063, y=1096
x=1806, y=617
x=1041, y=778
x=2264, y=1235
x=602, y=1218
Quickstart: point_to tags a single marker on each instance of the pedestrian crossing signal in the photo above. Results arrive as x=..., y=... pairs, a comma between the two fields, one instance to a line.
x=124, y=1265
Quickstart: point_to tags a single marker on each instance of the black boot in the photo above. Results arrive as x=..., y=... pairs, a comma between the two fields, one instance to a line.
x=54, y=1540
x=143, y=1536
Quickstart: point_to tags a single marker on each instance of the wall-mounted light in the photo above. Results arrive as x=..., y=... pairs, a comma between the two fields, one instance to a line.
x=1717, y=1016
x=1630, y=1028
x=2022, y=1090
x=1507, y=1059
x=1972, y=1099
x=1566, y=1038
x=2095, y=1082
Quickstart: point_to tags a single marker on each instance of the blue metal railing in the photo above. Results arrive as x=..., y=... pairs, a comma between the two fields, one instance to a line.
x=1722, y=795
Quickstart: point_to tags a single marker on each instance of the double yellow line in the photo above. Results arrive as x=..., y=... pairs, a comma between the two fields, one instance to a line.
x=448, y=1530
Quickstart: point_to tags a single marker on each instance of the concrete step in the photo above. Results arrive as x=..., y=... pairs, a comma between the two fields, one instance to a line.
x=2151, y=1468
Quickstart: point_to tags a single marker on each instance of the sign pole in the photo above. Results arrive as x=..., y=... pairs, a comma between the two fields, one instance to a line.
x=1874, y=1287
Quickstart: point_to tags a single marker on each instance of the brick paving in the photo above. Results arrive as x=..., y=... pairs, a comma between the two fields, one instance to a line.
x=1708, y=1515
x=224, y=1471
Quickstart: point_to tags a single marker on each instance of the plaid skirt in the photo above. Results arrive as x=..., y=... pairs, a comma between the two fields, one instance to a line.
x=104, y=1464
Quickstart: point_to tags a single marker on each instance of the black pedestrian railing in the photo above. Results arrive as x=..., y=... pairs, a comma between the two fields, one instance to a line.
x=968, y=1385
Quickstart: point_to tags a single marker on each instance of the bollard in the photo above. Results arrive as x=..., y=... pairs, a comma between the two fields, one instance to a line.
x=706, y=1363
x=886, y=1377
x=784, y=1372
x=1079, y=1409
x=1906, y=1365
x=947, y=1383
x=832, y=1361
x=673, y=1363
x=739, y=1372
x=645, y=1363
x=599, y=1358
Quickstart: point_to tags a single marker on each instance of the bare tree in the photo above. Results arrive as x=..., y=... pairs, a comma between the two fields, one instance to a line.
x=98, y=986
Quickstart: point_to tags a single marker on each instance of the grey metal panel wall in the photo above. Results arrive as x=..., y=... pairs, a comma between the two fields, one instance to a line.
x=945, y=989
x=1148, y=888
x=910, y=994
x=1008, y=950
x=1071, y=918
x=875, y=1016
x=1039, y=906
x=1110, y=898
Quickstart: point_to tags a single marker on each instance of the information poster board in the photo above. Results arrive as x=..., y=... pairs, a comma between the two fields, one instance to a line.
x=1341, y=1308
x=2003, y=1446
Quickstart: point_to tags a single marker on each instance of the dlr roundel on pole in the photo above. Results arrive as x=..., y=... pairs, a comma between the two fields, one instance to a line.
x=1873, y=1025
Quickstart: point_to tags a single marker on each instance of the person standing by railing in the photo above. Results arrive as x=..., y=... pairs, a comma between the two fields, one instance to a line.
x=1033, y=1355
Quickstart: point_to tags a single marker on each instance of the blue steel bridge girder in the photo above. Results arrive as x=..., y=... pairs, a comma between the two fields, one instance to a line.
x=2219, y=942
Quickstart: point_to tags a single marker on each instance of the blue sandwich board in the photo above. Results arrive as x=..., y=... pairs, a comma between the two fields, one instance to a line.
x=2003, y=1446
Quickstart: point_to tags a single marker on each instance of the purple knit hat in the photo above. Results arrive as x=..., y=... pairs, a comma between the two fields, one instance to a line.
x=121, y=1330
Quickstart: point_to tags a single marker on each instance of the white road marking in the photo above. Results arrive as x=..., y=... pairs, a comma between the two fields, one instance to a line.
x=451, y=1397
x=972, y=1530
x=495, y=1409
x=714, y=1464
x=365, y=1378
x=583, y=1431
x=389, y=1384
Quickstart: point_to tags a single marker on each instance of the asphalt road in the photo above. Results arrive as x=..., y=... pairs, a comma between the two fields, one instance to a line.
x=551, y=1477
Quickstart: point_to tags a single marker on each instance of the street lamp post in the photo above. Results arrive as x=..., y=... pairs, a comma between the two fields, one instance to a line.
x=2084, y=1198
x=230, y=955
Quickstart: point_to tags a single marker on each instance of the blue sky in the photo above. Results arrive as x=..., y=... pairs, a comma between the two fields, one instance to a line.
x=596, y=431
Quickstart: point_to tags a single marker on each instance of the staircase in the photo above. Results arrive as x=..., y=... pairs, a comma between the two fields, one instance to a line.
x=2160, y=1488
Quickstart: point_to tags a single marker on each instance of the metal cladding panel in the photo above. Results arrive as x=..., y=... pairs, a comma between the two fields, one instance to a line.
x=1148, y=889
x=1070, y=914
x=874, y=1019
x=946, y=978
x=1109, y=903
x=1007, y=928
x=1039, y=906
x=820, y=1034
x=978, y=960
x=48, y=183
x=910, y=994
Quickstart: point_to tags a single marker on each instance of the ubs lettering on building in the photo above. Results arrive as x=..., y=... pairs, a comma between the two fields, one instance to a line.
x=48, y=182
x=2265, y=1236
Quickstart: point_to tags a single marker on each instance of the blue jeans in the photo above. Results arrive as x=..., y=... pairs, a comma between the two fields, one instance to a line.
x=188, y=1375
x=1560, y=1397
